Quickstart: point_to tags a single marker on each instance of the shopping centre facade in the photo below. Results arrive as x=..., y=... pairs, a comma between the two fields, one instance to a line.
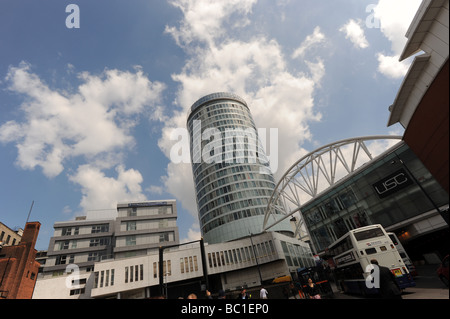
x=395, y=190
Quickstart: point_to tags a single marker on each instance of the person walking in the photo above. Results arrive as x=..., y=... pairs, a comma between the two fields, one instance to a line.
x=222, y=294
x=312, y=290
x=389, y=288
x=263, y=293
x=243, y=295
x=294, y=290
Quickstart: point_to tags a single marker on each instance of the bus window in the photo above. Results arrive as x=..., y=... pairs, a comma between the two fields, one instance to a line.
x=394, y=239
x=367, y=234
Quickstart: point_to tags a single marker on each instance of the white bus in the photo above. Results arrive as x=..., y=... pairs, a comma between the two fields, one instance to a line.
x=353, y=252
x=403, y=254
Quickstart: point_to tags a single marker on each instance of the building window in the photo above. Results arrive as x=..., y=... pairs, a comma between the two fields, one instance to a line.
x=230, y=256
x=99, y=242
x=96, y=279
x=132, y=211
x=167, y=268
x=74, y=292
x=214, y=260
x=100, y=229
x=64, y=245
x=195, y=263
x=112, y=277
x=61, y=260
x=131, y=273
x=182, y=265
x=107, y=278
x=131, y=226
x=93, y=256
x=131, y=240
x=163, y=237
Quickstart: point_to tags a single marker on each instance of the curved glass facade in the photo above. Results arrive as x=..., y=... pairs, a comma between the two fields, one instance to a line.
x=231, y=173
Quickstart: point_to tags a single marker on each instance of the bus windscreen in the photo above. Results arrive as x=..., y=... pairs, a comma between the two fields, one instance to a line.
x=367, y=234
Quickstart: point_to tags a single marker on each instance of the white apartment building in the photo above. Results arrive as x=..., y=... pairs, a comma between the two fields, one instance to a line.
x=141, y=228
x=138, y=229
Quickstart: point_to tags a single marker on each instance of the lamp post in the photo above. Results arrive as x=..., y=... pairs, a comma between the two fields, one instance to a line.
x=256, y=259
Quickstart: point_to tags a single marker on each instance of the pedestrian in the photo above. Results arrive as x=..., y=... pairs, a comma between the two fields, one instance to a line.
x=192, y=296
x=263, y=293
x=294, y=290
x=221, y=294
x=389, y=288
x=286, y=292
x=312, y=290
x=208, y=294
x=243, y=295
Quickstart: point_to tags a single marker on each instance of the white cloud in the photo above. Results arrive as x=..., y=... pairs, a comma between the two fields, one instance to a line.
x=255, y=69
x=179, y=182
x=67, y=210
x=203, y=19
x=193, y=234
x=355, y=33
x=153, y=189
x=92, y=125
x=395, y=18
x=100, y=191
x=314, y=39
x=95, y=121
x=391, y=67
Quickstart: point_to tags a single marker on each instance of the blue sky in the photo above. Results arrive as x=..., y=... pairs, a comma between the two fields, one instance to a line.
x=86, y=114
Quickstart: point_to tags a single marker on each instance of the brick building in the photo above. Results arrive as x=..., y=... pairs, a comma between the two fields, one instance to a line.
x=18, y=267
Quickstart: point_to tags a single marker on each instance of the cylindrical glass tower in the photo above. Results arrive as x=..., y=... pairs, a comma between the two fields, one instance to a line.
x=232, y=179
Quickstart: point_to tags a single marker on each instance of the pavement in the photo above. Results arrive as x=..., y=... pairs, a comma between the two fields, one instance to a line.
x=428, y=285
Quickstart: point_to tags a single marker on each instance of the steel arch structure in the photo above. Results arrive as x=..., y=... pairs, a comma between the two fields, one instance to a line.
x=315, y=172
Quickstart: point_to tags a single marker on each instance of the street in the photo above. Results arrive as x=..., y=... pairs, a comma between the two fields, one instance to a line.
x=428, y=286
